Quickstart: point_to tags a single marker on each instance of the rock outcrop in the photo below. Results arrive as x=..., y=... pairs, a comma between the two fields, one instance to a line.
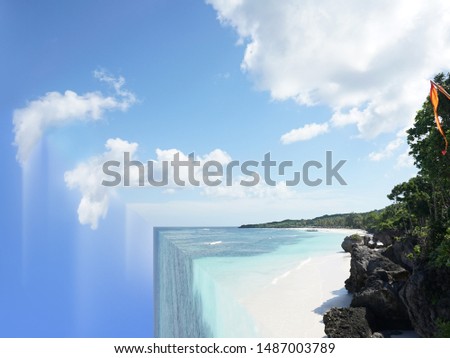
x=426, y=296
x=347, y=323
x=392, y=290
x=376, y=281
x=399, y=252
x=381, y=296
x=351, y=240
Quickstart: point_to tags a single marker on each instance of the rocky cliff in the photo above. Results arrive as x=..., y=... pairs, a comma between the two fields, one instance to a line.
x=395, y=291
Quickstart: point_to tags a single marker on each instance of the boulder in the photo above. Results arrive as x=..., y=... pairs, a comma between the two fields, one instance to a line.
x=351, y=240
x=347, y=323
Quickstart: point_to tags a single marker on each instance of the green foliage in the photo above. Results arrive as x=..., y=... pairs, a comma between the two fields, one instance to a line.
x=423, y=202
x=355, y=237
x=426, y=144
x=441, y=255
x=392, y=218
x=414, y=254
x=413, y=199
x=421, y=232
x=443, y=330
x=417, y=250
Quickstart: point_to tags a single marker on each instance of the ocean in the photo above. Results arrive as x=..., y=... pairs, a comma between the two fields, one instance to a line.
x=205, y=277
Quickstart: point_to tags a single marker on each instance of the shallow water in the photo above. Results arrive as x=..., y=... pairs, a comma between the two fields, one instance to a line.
x=203, y=275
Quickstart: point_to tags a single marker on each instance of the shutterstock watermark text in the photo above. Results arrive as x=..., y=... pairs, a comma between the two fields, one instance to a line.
x=193, y=172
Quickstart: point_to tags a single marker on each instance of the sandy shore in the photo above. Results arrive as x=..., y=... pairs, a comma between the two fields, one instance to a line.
x=336, y=230
x=292, y=304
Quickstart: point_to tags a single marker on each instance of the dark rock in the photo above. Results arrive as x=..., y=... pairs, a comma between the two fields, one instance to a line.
x=417, y=304
x=347, y=323
x=386, y=237
x=367, y=239
x=364, y=263
x=370, y=242
x=381, y=296
x=397, y=292
x=398, y=253
x=376, y=281
x=351, y=240
x=427, y=298
x=358, y=269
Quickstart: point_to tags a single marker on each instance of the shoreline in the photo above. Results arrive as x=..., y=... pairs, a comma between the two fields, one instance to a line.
x=293, y=305
x=332, y=230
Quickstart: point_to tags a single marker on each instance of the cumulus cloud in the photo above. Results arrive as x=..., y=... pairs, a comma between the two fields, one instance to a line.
x=55, y=108
x=87, y=178
x=367, y=61
x=307, y=132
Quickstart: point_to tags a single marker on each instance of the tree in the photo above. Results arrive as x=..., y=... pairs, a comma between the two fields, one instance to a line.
x=426, y=144
x=414, y=196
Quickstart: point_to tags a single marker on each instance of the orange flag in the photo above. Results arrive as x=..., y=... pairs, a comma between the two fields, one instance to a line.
x=435, y=101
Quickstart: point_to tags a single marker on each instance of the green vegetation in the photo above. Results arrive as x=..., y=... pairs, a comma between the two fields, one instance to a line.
x=425, y=199
x=351, y=220
x=390, y=218
x=355, y=237
x=440, y=257
x=443, y=329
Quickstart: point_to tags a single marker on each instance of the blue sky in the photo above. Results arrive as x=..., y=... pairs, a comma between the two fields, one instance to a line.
x=224, y=79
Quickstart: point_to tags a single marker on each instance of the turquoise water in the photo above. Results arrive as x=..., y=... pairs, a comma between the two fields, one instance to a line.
x=202, y=275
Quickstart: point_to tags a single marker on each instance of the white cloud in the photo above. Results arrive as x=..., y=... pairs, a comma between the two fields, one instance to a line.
x=55, y=108
x=367, y=61
x=404, y=160
x=87, y=178
x=128, y=97
x=386, y=152
x=307, y=132
x=218, y=155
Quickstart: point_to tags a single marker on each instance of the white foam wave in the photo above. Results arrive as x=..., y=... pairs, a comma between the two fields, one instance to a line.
x=287, y=273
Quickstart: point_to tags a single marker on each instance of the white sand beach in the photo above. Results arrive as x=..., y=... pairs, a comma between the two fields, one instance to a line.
x=293, y=304
x=343, y=231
